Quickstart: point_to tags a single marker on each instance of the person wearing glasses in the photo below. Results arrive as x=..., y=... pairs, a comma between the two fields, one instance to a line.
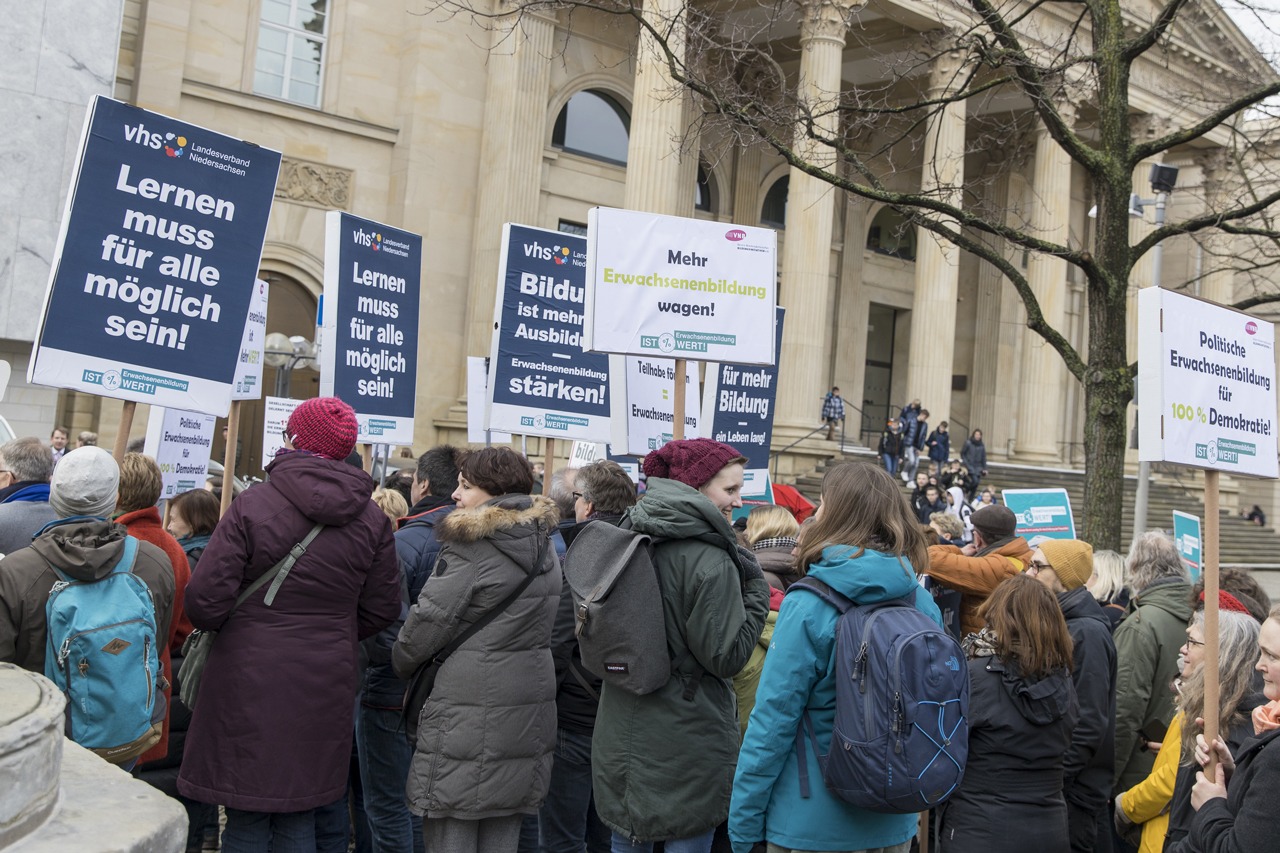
x=1161, y=804
x=1063, y=566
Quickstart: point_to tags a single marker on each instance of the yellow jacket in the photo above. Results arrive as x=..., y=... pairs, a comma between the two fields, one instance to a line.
x=1147, y=803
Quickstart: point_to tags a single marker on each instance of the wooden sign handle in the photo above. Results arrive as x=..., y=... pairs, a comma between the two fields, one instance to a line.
x=229, y=458
x=677, y=414
x=122, y=433
x=1210, y=564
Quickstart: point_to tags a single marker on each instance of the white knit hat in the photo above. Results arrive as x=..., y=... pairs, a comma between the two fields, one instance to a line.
x=85, y=482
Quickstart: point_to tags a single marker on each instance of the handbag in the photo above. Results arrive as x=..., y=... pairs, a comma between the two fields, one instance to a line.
x=423, y=680
x=196, y=648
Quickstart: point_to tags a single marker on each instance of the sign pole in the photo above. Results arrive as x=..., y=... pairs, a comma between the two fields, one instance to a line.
x=677, y=420
x=122, y=434
x=548, y=460
x=229, y=457
x=1210, y=557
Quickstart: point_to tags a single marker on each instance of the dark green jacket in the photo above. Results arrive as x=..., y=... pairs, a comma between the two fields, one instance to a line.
x=1147, y=644
x=662, y=765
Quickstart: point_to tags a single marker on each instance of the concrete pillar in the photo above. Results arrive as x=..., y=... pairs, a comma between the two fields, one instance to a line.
x=655, y=167
x=1217, y=281
x=1044, y=376
x=991, y=283
x=933, y=309
x=806, y=252
x=511, y=142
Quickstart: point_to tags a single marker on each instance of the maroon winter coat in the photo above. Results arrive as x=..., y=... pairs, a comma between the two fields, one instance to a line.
x=271, y=730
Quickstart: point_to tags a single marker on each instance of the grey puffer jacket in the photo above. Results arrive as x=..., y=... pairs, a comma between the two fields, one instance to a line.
x=486, y=735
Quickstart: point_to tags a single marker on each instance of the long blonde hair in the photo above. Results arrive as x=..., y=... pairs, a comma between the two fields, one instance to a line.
x=863, y=506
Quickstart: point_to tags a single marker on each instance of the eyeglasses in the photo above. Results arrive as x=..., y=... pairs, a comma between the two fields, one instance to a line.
x=284, y=434
x=1040, y=567
x=577, y=495
x=1191, y=642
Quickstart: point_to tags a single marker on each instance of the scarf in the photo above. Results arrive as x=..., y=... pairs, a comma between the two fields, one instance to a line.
x=1266, y=717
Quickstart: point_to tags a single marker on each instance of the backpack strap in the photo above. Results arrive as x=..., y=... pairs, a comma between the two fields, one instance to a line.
x=823, y=591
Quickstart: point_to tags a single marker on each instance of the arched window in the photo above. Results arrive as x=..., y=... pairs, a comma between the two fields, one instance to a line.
x=704, y=194
x=595, y=125
x=774, y=212
x=891, y=234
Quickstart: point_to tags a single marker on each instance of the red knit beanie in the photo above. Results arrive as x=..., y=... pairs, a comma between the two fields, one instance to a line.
x=692, y=461
x=1227, y=601
x=326, y=426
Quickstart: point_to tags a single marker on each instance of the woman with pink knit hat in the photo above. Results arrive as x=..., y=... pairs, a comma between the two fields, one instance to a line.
x=270, y=735
x=662, y=763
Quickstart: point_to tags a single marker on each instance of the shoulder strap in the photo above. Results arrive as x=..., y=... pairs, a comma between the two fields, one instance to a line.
x=276, y=574
x=823, y=591
x=490, y=615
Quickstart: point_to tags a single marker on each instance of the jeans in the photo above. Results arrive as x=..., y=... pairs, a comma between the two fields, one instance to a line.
x=697, y=844
x=910, y=462
x=265, y=832
x=568, y=815
x=385, y=755
x=890, y=462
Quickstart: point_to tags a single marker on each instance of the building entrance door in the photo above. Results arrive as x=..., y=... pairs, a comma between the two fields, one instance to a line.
x=877, y=405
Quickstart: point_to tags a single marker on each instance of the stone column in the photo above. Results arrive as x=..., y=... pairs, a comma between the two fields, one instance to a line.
x=991, y=284
x=654, y=155
x=161, y=55
x=806, y=252
x=1044, y=376
x=511, y=143
x=933, y=308
x=1220, y=176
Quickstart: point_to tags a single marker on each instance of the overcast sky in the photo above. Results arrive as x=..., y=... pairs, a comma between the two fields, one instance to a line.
x=1259, y=20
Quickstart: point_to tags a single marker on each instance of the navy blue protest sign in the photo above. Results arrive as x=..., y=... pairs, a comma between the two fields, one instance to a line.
x=156, y=261
x=369, y=331
x=739, y=405
x=542, y=382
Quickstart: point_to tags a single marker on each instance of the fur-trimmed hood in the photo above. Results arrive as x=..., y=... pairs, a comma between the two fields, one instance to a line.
x=499, y=514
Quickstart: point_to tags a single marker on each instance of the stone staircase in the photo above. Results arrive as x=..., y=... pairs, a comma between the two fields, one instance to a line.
x=1240, y=542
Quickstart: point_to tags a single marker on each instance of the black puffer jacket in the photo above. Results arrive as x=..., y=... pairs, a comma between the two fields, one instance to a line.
x=1245, y=822
x=1089, y=764
x=1010, y=800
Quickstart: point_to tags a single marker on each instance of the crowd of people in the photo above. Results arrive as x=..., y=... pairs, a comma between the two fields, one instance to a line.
x=333, y=601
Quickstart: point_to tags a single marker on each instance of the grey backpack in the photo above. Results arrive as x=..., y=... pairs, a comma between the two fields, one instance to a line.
x=617, y=602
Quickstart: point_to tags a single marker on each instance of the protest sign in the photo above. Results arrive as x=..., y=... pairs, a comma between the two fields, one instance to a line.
x=739, y=406
x=1206, y=379
x=155, y=262
x=682, y=288
x=642, y=403
x=542, y=383
x=275, y=419
x=586, y=452
x=369, y=331
x=248, y=379
x=180, y=442
x=1186, y=534
x=477, y=404
x=1041, y=514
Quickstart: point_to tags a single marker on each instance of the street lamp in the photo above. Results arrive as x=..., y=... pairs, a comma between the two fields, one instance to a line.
x=1163, y=179
x=285, y=353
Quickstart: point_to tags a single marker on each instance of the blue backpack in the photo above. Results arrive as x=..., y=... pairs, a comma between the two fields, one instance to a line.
x=102, y=653
x=901, y=733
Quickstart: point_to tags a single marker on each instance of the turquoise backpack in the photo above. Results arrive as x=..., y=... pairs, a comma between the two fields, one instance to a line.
x=103, y=654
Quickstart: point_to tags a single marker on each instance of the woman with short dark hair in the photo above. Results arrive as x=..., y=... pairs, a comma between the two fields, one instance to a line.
x=485, y=735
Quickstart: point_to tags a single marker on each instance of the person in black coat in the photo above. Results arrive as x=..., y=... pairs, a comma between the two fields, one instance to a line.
x=1022, y=708
x=1236, y=805
x=1064, y=566
x=568, y=817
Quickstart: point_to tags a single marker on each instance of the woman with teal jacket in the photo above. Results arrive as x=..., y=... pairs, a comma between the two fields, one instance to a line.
x=864, y=543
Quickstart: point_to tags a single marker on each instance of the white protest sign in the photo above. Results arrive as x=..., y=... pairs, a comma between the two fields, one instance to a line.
x=248, y=381
x=1206, y=376
x=681, y=288
x=586, y=452
x=477, y=403
x=643, y=404
x=274, y=421
x=180, y=442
